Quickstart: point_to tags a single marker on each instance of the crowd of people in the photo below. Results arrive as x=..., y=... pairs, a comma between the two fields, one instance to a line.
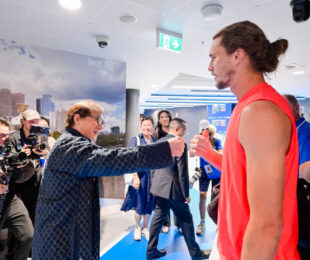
x=51, y=209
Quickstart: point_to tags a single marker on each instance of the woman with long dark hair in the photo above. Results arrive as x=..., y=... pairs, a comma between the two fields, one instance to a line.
x=164, y=117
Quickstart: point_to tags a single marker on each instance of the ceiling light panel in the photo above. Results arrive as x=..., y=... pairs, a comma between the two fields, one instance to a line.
x=71, y=4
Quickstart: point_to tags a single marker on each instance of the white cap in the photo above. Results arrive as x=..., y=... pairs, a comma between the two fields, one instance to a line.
x=203, y=124
x=30, y=114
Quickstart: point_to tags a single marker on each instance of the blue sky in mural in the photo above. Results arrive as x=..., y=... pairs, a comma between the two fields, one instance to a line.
x=68, y=77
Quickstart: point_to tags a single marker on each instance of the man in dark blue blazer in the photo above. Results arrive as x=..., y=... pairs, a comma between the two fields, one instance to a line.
x=67, y=217
x=171, y=188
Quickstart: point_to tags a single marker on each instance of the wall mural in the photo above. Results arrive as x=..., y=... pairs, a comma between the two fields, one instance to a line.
x=50, y=81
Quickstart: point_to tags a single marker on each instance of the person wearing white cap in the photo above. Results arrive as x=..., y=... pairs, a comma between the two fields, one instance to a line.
x=20, y=209
x=209, y=173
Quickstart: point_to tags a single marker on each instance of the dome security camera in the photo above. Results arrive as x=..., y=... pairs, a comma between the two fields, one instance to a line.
x=102, y=40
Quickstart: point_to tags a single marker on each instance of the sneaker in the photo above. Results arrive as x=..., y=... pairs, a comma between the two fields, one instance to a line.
x=203, y=254
x=146, y=233
x=200, y=229
x=137, y=234
x=165, y=229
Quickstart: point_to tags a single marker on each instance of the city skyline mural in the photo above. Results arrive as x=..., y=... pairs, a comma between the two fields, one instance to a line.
x=58, y=79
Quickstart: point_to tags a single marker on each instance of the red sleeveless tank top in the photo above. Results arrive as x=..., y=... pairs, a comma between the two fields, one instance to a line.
x=234, y=209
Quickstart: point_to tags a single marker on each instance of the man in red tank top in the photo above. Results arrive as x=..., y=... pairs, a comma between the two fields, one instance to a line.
x=258, y=206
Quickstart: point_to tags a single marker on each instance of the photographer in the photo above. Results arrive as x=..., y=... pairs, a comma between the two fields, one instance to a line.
x=208, y=173
x=14, y=213
x=4, y=134
x=26, y=187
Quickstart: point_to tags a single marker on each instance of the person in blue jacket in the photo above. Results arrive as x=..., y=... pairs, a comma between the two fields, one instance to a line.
x=303, y=183
x=209, y=173
x=139, y=197
x=67, y=216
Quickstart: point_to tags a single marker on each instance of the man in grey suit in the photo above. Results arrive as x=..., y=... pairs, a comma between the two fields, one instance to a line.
x=171, y=188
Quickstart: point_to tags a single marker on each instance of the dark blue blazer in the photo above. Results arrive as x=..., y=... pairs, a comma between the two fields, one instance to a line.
x=67, y=216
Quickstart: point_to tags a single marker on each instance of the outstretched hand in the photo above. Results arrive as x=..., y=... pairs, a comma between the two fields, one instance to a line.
x=176, y=146
x=199, y=144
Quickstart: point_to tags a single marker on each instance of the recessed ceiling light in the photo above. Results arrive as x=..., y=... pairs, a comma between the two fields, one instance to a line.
x=71, y=4
x=128, y=18
x=211, y=11
x=298, y=72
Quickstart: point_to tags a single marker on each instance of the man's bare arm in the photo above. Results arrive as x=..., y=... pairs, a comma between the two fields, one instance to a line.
x=201, y=146
x=264, y=133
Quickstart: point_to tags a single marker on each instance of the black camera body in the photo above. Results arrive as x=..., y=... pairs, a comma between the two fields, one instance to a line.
x=38, y=137
x=9, y=161
x=301, y=10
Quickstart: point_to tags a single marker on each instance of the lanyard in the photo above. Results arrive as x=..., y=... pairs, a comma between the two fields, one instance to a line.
x=301, y=124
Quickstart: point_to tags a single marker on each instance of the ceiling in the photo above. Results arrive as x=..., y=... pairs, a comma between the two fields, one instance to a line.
x=154, y=71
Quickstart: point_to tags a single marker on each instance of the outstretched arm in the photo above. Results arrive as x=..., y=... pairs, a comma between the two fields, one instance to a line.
x=264, y=133
x=201, y=146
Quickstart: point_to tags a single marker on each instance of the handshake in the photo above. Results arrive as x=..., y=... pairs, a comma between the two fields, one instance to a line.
x=195, y=177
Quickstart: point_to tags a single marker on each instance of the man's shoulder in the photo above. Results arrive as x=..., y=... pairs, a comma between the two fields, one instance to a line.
x=13, y=138
x=15, y=135
x=168, y=136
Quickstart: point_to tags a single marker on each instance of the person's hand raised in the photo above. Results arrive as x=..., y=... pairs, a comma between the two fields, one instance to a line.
x=199, y=143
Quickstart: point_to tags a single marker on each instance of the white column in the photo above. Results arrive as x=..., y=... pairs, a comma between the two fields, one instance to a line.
x=132, y=114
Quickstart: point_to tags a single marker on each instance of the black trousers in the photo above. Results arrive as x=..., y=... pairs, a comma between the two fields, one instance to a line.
x=20, y=230
x=304, y=252
x=185, y=220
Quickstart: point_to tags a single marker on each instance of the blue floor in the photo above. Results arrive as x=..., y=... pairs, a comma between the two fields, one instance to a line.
x=173, y=242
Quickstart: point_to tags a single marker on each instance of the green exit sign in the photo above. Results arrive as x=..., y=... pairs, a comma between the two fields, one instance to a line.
x=169, y=41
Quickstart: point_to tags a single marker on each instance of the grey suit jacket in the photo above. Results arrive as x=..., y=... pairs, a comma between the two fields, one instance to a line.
x=172, y=182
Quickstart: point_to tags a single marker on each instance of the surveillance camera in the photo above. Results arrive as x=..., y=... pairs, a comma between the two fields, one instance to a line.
x=102, y=40
x=301, y=10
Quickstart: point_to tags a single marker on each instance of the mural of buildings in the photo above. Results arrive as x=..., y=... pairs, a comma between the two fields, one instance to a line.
x=50, y=80
x=115, y=130
x=46, y=108
x=8, y=102
x=60, y=119
x=17, y=98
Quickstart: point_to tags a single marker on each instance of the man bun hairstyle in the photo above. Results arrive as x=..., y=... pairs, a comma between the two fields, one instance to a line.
x=263, y=55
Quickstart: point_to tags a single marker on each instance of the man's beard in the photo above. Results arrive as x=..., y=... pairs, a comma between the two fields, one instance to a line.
x=224, y=84
x=221, y=85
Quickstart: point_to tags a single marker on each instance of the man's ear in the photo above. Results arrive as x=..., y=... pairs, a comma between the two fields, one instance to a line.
x=76, y=119
x=239, y=55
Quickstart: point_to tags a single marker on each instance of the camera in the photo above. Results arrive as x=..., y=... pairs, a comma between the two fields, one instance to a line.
x=301, y=10
x=38, y=137
x=102, y=40
x=195, y=177
x=9, y=161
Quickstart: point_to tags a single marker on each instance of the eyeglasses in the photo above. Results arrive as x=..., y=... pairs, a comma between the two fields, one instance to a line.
x=4, y=135
x=99, y=119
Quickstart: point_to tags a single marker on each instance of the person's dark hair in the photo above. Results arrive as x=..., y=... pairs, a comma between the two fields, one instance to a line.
x=147, y=118
x=263, y=55
x=45, y=119
x=5, y=122
x=177, y=123
x=291, y=99
x=158, y=117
